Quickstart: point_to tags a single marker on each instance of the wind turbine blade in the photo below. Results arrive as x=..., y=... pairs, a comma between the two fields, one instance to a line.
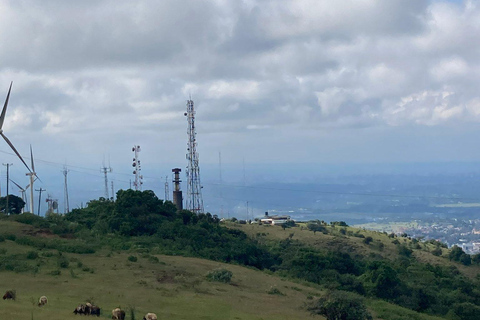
x=4, y=111
x=17, y=185
x=15, y=150
x=28, y=186
x=31, y=159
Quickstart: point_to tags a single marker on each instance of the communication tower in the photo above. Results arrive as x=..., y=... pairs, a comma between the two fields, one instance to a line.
x=166, y=189
x=137, y=169
x=105, y=171
x=194, y=201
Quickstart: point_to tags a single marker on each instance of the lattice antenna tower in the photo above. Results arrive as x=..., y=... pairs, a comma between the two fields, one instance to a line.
x=137, y=169
x=166, y=189
x=105, y=171
x=194, y=201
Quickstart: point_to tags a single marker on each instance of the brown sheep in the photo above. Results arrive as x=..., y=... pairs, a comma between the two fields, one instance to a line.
x=80, y=309
x=94, y=311
x=42, y=301
x=10, y=294
x=150, y=316
x=118, y=314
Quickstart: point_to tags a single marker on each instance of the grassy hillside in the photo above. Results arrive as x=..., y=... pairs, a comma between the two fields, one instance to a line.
x=140, y=253
x=173, y=287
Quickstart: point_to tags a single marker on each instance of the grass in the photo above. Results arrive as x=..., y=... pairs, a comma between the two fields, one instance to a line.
x=173, y=287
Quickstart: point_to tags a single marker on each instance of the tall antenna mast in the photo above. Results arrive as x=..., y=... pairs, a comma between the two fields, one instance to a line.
x=166, y=188
x=194, y=201
x=105, y=171
x=137, y=169
x=66, y=206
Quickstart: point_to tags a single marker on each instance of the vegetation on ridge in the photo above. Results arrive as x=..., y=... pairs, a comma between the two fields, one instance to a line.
x=399, y=270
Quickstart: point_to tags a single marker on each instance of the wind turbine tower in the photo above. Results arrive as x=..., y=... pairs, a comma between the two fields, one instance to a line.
x=137, y=169
x=33, y=176
x=194, y=201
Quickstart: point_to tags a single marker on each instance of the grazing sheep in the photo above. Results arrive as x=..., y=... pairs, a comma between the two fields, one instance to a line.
x=80, y=309
x=94, y=311
x=118, y=314
x=42, y=301
x=10, y=294
x=87, y=309
x=150, y=316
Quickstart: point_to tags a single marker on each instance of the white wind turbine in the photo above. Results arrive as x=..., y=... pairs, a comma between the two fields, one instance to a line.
x=22, y=191
x=2, y=119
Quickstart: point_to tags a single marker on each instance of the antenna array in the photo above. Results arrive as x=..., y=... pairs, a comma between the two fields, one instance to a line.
x=137, y=169
x=194, y=201
x=105, y=171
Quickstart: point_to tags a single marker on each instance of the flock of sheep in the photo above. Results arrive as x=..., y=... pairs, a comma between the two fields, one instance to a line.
x=85, y=309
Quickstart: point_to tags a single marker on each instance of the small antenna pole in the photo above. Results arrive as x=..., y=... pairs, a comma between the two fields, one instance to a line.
x=66, y=206
x=7, y=209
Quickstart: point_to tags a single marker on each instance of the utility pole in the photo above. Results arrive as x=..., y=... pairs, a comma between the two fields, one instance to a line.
x=113, y=193
x=66, y=206
x=8, y=179
x=40, y=198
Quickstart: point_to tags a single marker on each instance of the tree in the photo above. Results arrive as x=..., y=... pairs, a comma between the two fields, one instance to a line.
x=15, y=204
x=341, y=305
x=315, y=227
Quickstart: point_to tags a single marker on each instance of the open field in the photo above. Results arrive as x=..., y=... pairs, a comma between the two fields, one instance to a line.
x=173, y=288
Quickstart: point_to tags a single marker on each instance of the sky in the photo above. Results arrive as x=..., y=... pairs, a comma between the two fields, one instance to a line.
x=274, y=82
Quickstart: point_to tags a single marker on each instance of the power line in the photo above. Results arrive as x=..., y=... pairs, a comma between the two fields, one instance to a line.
x=346, y=193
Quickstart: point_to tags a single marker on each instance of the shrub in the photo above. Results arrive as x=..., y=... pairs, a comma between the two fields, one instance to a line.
x=342, y=305
x=63, y=262
x=220, y=275
x=437, y=251
x=274, y=290
x=11, y=237
x=367, y=240
x=132, y=258
x=55, y=273
x=32, y=255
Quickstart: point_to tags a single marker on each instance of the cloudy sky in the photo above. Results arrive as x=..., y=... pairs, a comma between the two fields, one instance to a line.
x=298, y=82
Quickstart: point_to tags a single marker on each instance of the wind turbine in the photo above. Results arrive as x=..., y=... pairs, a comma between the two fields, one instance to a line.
x=22, y=191
x=2, y=119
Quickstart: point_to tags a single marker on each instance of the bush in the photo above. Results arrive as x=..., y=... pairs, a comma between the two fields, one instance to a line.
x=63, y=262
x=437, y=251
x=336, y=305
x=32, y=255
x=367, y=240
x=132, y=258
x=220, y=275
x=55, y=273
x=274, y=290
x=11, y=237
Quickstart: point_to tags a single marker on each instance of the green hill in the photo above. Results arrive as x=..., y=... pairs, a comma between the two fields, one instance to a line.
x=140, y=254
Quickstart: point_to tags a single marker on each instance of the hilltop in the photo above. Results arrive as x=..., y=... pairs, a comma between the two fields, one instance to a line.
x=141, y=254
